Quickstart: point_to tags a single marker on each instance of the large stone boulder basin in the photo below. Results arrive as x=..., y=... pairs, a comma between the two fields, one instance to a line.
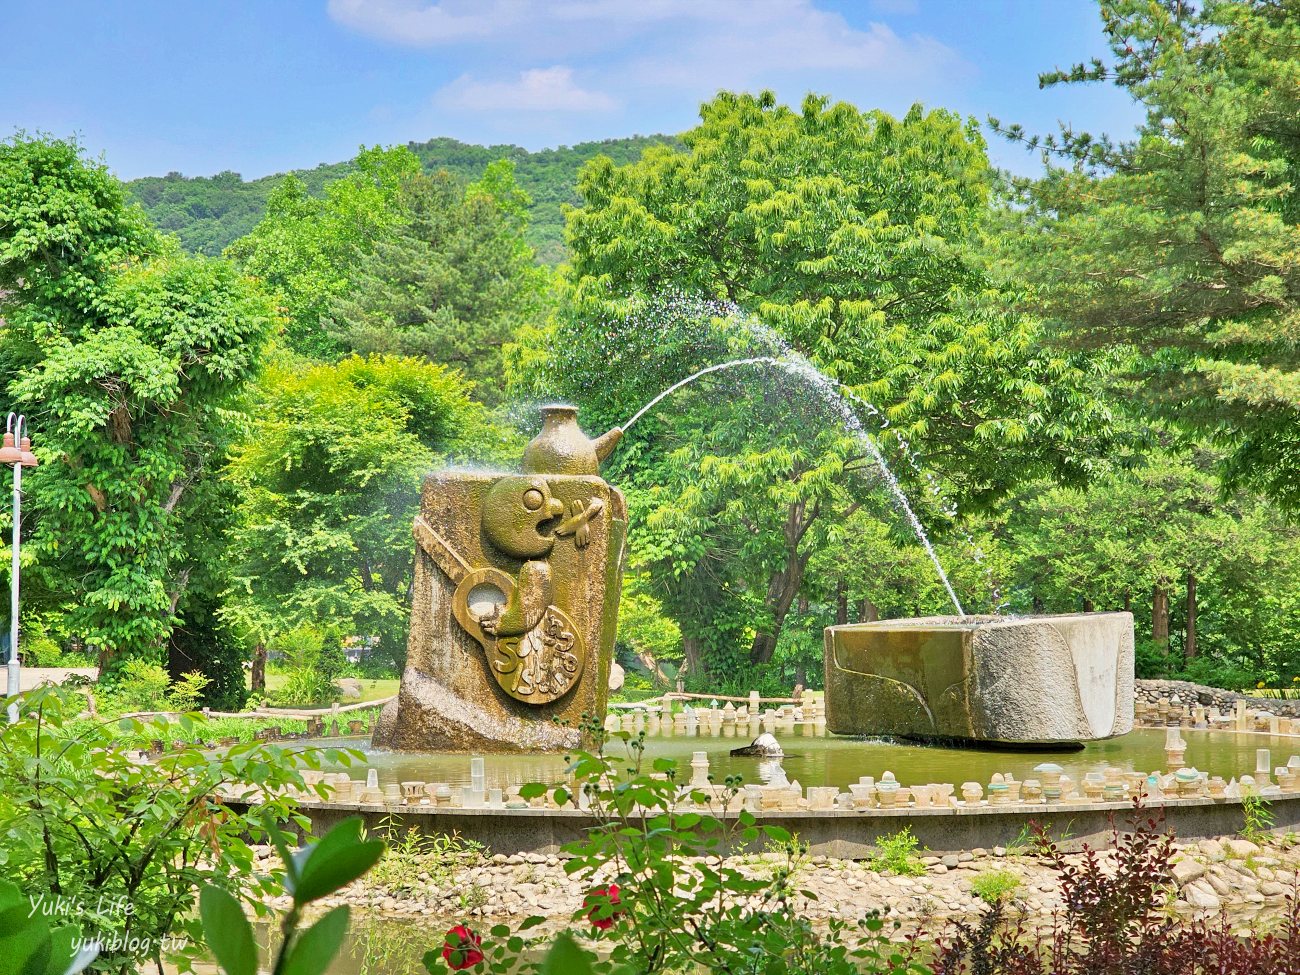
x=989, y=680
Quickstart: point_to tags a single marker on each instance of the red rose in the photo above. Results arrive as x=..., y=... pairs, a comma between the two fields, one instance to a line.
x=460, y=949
x=603, y=903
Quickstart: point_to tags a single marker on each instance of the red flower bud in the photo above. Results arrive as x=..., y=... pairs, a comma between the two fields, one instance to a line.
x=603, y=903
x=460, y=949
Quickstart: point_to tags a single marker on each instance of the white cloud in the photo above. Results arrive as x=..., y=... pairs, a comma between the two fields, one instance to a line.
x=790, y=32
x=535, y=90
x=419, y=23
x=524, y=62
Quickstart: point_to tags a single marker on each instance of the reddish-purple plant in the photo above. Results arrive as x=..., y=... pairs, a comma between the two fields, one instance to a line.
x=1112, y=923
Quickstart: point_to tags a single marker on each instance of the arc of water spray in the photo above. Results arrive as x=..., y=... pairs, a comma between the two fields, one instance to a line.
x=810, y=372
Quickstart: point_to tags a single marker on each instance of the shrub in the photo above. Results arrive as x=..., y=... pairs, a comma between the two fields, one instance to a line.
x=135, y=685
x=896, y=853
x=1257, y=818
x=678, y=906
x=186, y=694
x=333, y=660
x=994, y=886
x=309, y=680
x=1114, y=923
x=84, y=819
x=314, y=872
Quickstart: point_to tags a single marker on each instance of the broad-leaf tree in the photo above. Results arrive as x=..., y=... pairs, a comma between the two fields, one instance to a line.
x=848, y=234
x=125, y=354
x=328, y=479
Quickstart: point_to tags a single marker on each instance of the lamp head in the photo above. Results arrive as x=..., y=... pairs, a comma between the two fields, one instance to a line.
x=9, y=454
x=28, y=458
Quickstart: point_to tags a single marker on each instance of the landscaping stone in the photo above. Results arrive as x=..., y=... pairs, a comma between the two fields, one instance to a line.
x=1240, y=848
x=1201, y=896
x=507, y=889
x=1185, y=871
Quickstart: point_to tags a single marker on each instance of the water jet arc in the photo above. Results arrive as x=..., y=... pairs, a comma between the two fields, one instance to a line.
x=826, y=385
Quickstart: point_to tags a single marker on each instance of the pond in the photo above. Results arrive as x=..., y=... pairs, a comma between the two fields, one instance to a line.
x=837, y=761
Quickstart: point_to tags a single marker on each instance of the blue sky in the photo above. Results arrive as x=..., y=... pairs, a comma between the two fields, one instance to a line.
x=258, y=86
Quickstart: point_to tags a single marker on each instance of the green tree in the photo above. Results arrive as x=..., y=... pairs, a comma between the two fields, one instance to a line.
x=306, y=248
x=1184, y=242
x=453, y=283
x=1207, y=578
x=328, y=478
x=126, y=354
x=208, y=213
x=849, y=233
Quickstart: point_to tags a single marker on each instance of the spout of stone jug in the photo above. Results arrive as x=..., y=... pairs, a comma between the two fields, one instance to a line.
x=604, y=444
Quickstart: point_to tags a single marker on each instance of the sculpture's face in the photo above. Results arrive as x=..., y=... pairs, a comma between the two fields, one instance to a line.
x=517, y=516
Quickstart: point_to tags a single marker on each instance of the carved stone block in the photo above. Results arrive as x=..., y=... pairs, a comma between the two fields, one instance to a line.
x=1027, y=680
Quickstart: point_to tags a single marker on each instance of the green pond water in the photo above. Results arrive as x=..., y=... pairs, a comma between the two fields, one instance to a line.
x=839, y=761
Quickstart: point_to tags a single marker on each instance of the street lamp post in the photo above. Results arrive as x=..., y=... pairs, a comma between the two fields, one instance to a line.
x=16, y=450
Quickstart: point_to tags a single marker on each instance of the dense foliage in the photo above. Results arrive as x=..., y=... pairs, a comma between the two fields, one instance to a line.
x=453, y=283
x=1184, y=242
x=849, y=235
x=122, y=844
x=328, y=480
x=127, y=355
x=1083, y=383
x=208, y=213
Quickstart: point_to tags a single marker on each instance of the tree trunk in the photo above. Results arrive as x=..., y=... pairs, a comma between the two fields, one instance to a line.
x=784, y=587
x=1128, y=601
x=694, y=655
x=657, y=674
x=868, y=612
x=841, y=604
x=1189, y=647
x=1087, y=605
x=1160, y=618
x=257, y=679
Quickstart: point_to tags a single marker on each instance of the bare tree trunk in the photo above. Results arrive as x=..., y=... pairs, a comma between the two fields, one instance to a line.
x=258, y=677
x=1189, y=647
x=1087, y=605
x=1160, y=617
x=841, y=604
x=651, y=664
x=868, y=612
x=694, y=655
x=784, y=587
x=1128, y=601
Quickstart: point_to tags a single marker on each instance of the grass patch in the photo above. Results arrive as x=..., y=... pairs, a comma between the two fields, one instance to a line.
x=897, y=854
x=994, y=886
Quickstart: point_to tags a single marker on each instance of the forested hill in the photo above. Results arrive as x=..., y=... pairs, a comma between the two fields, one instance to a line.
x=208, y=212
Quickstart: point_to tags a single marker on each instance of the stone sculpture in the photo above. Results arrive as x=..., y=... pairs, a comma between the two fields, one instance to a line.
x=516, y=596
x=1013, y=680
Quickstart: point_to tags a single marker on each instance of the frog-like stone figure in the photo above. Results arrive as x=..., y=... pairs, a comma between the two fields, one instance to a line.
x=516, y=590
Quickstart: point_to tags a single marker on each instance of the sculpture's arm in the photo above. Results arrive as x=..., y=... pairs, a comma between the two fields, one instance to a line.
x=577, y=523
x=527, y=603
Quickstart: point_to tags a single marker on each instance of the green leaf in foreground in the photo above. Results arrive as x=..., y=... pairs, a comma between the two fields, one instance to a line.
x=339, y=858
x=227, y=932
x=318, y=945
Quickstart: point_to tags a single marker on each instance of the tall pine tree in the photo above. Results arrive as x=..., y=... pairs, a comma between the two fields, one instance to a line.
x=1183, y=243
